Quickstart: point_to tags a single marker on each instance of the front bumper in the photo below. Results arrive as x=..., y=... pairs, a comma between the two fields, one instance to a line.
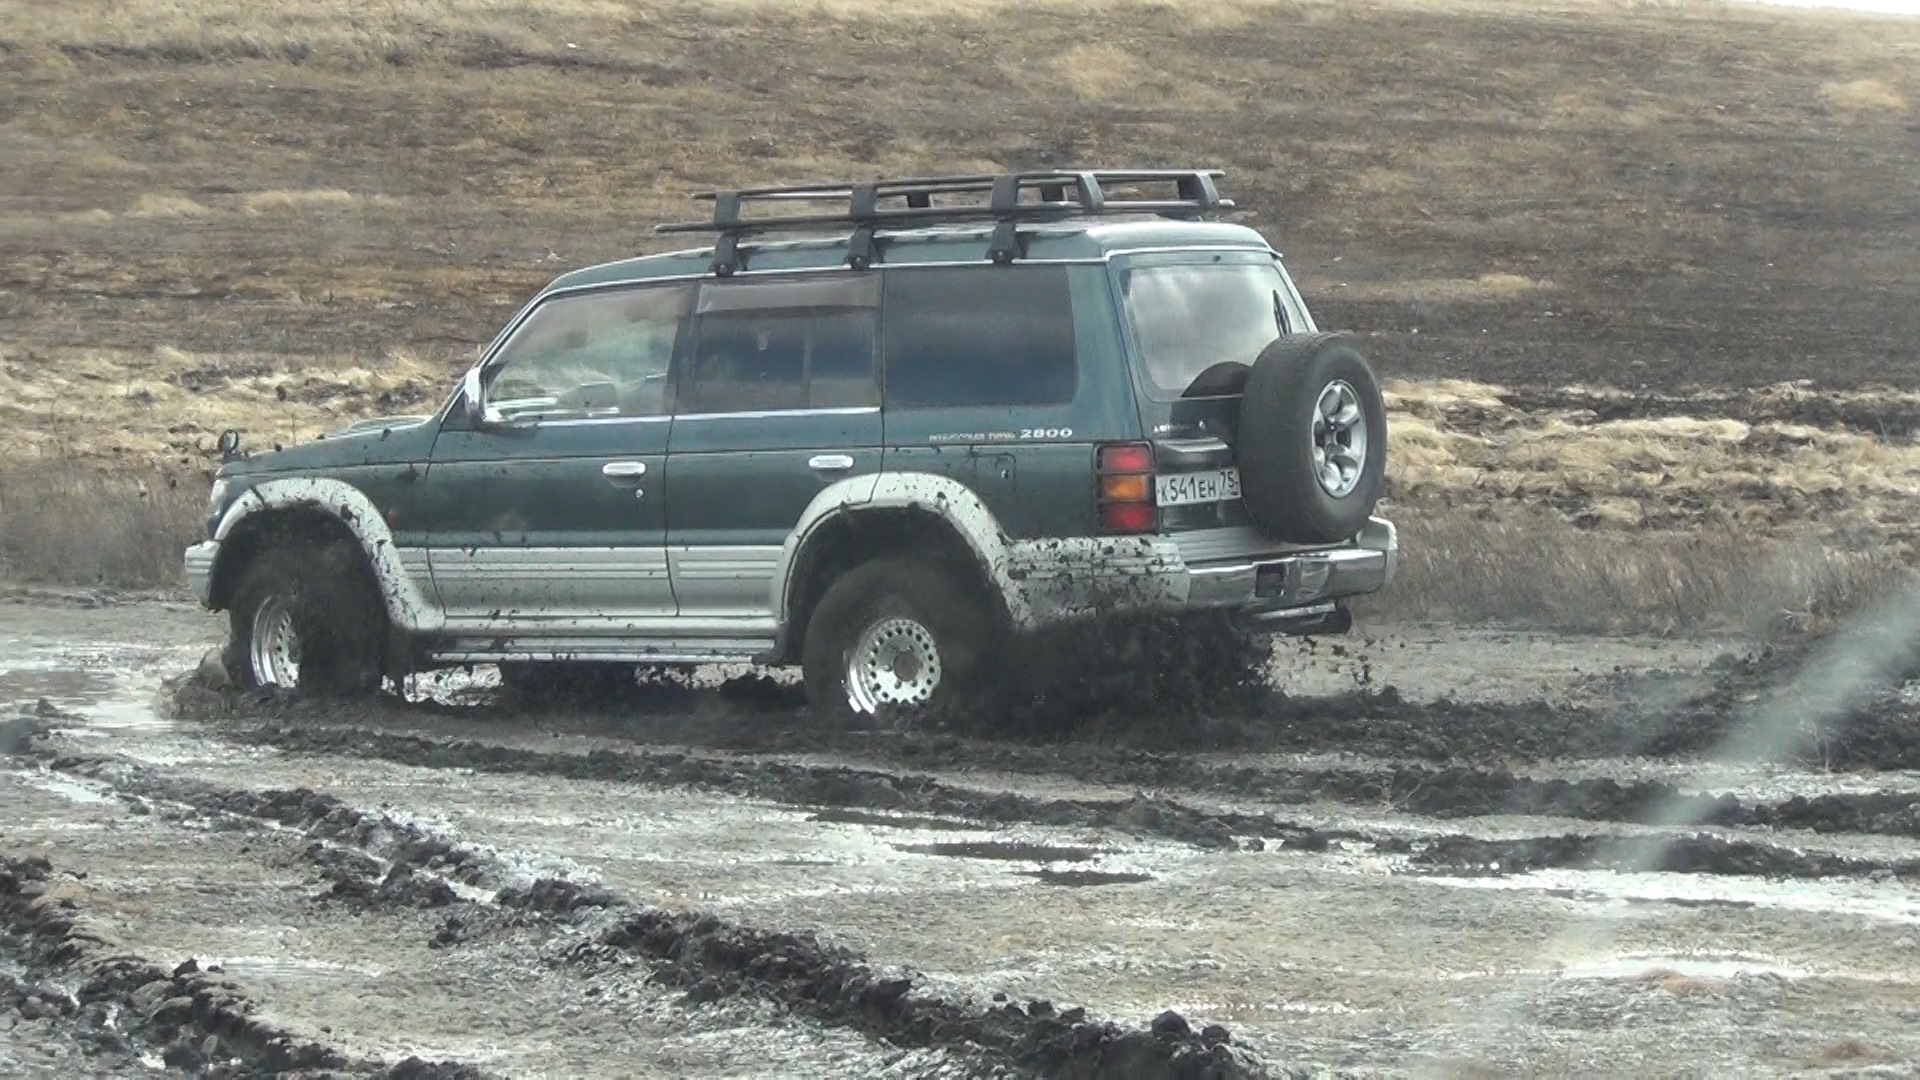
x=199, y=562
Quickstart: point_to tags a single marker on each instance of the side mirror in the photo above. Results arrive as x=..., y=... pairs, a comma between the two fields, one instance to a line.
x=470, y=391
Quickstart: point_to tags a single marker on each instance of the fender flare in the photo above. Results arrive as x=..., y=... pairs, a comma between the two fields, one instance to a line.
x=407, y=606
x=941, y=496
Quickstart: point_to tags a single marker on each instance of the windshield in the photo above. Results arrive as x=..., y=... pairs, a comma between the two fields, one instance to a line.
x=1187, y=319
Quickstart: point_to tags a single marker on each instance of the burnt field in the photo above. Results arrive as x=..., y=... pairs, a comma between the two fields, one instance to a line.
x=209, y=204
x=1398, y=862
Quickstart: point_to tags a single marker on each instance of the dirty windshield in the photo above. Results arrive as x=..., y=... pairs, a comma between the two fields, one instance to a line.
x=1187, y=319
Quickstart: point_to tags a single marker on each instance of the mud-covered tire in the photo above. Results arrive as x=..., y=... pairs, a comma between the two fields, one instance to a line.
x=1283, y=435
x=332, y=609
x=906, y=610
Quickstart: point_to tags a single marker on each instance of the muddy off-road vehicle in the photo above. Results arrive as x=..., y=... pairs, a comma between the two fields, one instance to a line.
x=878, y=430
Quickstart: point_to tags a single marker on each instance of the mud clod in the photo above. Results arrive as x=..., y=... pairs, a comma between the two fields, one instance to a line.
x=1171, y=1024
x=126, y=1004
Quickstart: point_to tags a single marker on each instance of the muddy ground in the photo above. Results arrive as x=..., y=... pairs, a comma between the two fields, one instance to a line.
x=1585, y=855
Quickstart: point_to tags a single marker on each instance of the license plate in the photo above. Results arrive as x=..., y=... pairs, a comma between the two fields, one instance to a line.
x=1182, y=489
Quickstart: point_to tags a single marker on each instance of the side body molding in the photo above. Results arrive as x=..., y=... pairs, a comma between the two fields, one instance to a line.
x=940, y=496
x=408, y=607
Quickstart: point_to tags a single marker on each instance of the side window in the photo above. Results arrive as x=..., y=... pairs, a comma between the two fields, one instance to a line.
x=993, y=336
x=596, y=354
x=765, y=347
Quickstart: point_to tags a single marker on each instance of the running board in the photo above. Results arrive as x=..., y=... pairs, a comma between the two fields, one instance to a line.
x=600, y=650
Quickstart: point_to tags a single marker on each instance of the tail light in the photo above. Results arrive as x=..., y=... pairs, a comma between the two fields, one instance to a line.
x=1123, y=480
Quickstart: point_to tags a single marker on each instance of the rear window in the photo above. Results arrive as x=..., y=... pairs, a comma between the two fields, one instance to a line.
x=1187, y=319
x=978, y=336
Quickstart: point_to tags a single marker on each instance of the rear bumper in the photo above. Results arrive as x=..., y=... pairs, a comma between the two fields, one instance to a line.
x=1282, y=588
x=1304, y=580
x=199, y=562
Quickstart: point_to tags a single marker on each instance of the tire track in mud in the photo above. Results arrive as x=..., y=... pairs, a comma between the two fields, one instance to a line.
x=375, y=859
x=1435, y=791
x=125, y=1007
x=847, y=788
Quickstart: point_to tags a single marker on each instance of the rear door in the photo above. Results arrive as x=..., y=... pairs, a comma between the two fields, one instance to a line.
x=779, y=401
x=553, y=515
x=1196, y=321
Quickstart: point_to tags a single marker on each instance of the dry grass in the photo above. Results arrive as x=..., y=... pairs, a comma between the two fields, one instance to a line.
x=1528, y=567
x=1863, y=94
x=164, y=409
x=155, y=205
x=71, y=525
x=260, y=202
x=1766, y=475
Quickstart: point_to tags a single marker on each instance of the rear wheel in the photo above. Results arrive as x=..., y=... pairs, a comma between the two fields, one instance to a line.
x=307, y=620
x=895, y=639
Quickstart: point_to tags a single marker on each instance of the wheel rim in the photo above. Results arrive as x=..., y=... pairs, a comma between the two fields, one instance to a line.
x=1339, y=439
x=275, y=653
x=895, y=662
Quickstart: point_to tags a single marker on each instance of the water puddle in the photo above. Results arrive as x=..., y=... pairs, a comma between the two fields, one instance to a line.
x=72, y=790
x=1889, y=902
x=1653, y=967
x=1003, y=850
x=840, y=816
x=60, y=685
x=282, y=966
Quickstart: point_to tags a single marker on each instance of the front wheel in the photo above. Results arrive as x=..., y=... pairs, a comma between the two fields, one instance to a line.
x=307, y=620
x=894, y=639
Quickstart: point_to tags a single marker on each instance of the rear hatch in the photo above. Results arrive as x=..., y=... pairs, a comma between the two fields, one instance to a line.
x=1197, y=322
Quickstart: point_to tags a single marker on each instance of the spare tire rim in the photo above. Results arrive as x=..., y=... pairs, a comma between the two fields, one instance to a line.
x=275, y=652
x=894, y=662
x=1339, y=439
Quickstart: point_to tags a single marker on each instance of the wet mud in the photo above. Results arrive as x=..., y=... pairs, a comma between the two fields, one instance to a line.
x=376, y=860
x=842, y=788
x=124, y=1012
x=1117, y=860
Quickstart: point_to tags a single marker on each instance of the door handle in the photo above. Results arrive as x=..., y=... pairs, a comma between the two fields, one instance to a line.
x=624, y=470
x=830, y=463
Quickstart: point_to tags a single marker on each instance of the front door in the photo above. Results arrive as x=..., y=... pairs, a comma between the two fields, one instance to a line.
x=550, y=515
x=779, y=402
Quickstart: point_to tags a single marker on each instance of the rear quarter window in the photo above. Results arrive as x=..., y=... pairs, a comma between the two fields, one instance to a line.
x=978, y=336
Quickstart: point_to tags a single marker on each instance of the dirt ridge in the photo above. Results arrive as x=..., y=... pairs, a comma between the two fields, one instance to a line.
x=191, y=1019
x=842, y=787
x=709, y=957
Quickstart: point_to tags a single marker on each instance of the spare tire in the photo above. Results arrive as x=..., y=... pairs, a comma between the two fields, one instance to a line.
x=1312, y=440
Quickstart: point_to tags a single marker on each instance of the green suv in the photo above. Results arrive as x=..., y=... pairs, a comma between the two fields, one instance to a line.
x=878, y=430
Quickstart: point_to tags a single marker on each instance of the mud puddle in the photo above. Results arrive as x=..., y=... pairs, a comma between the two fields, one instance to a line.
x=1002, y=851
x=1331, y=923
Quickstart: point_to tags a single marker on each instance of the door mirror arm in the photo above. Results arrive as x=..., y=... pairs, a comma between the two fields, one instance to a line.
x=474, y=405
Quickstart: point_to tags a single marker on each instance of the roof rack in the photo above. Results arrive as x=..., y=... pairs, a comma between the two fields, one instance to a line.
x=1011, y=199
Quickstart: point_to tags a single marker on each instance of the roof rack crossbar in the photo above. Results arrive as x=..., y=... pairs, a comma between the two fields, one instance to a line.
x=907, y=203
